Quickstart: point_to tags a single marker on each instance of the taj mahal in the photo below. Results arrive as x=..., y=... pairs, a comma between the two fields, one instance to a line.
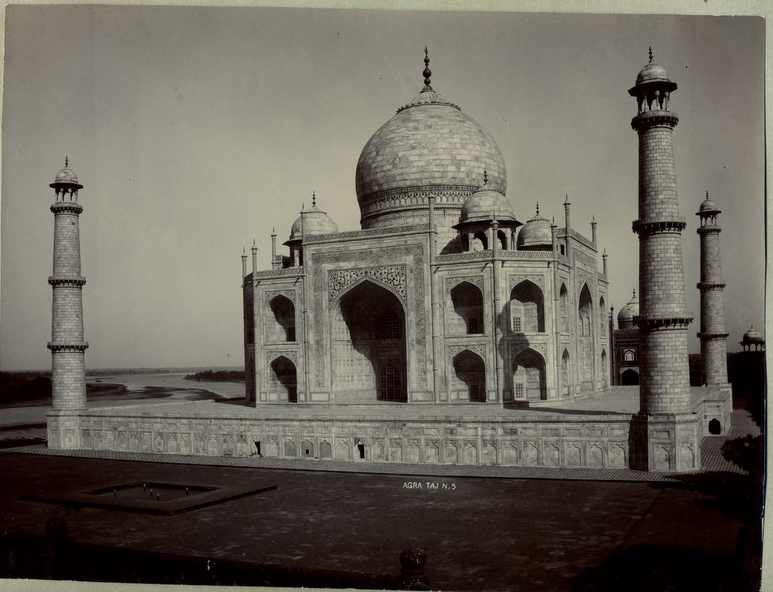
x=453, y=327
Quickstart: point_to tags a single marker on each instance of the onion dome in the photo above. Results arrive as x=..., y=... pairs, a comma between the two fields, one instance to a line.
x=752, y=337
x=535, y=234
x=652, y=75
x=428, y=148
x=627, y=313
x=66, y=179
x=486, y=203
x=312, y=222
x=708, y=207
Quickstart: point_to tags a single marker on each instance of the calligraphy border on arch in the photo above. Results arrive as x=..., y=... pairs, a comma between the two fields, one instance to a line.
x=340, y=279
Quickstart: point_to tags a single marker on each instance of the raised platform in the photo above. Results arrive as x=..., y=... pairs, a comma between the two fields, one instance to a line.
x=593, y=432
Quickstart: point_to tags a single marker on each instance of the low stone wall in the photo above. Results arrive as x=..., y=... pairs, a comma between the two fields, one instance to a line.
x=541, y=439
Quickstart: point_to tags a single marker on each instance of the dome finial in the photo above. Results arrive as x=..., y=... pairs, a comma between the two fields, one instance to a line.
x=485, y=176
x=707, y=194
x=537, y=208
x=427, y=72
x=650, y=54
x=313, y=199
x=66, y=162
x=634, y=292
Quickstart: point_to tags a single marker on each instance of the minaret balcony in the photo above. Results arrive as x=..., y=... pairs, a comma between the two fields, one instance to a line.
x=658, y=118
x=68, y=282
x=56, y=346
x=713, y=335
x=72, y=207
x=657, y=323
x=659, y=226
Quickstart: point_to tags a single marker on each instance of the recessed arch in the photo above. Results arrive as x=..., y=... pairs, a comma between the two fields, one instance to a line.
x=585, y=310
x=467, y=302
x=368, y=352
x=283, y=380
x=529, y=380
x=586, y=359
x=527, y=308
x=563, y=299
x=566, y=372
x=602, y=316
x=502, y=238
x=604, y=369
x=479, y=241
x=280, y=324
x=629, y=378
x=469, y=376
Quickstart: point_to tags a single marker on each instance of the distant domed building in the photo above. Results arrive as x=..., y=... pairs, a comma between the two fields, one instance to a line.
x=753, y=340
x=439, y=297
x=625, y=341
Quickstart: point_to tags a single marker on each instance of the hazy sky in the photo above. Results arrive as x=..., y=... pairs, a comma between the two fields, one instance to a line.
x=196, y=130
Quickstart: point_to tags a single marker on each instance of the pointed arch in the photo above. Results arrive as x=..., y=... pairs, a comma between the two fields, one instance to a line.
x=502, y=238
x=467, y=301
x=368, y=352
x=563, y=305
x=604, y=369
x=283, y=380
x=280, y=324
x=527, y=308
x=585, y=311
x=585, y=338
x=468, y=380
x=566, y=372
x=529, y=380
x=479, y=241
x=629, y=378
x=602, y=316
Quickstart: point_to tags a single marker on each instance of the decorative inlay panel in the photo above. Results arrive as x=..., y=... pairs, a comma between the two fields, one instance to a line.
x=291, y=355
x=516, y=348
x=339, y=279
x=289, y=294
x=476, y=280
x=517, y=278
x=453, y=350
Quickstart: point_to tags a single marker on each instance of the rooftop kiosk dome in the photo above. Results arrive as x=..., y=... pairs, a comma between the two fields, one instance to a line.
x=536, y=234
x=429, y=148
x=627, y=313
x=312, y=222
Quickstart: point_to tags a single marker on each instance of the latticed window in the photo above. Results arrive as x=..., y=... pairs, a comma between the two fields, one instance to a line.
x=519, y=390
x=389, y=383
x=477, y=393
x=472, y=326
x=517, y=325
x=388, y=326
